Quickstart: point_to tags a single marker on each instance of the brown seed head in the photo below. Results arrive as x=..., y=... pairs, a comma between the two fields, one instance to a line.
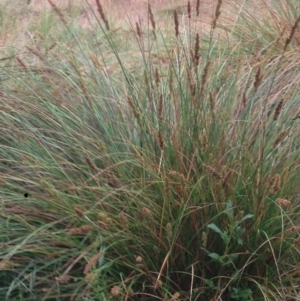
x=211, y=102
x=79, y=212
x=21, y=62
x=7, y=265
x=283, y=202
x=102, y=225
x=36, y=53
x=204, y=75
x=84, y=229
x=158, y=283
x=170, y=80
x=275, y=184
x=115, y=290
x=51, y=46
x=176, y=174
x=175, y=296
x=123, y=219
x=213, y=172
x=193, y=90
x=278, y=109
x=58, y=12
x=292, y=33
x=176, y=23
x=160, y=108
x=279, y=138
x=244, y=100
x=102, y=15
x=138, y=29
x=91, y=164
x=90, y=277
x=160, y=140
x=138, y=259
x=258, y=78
x=297, y=240
x=226, y=178
x=197, y=50
x=189, y=9
x=63, y=278
x=146, y=212
x=293, y=229
x=217, y=14
x=92, y=263
x=103, y=216
x=134, y=109
x=152, y=21
x=95, y=61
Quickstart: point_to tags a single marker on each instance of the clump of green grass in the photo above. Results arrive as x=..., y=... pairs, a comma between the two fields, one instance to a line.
x=165, y=168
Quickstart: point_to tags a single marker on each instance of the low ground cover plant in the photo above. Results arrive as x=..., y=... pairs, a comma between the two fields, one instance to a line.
x=148, y=163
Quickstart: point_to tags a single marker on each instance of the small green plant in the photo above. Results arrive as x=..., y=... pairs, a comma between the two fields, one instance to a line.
x=240, y=294
x=232, y=236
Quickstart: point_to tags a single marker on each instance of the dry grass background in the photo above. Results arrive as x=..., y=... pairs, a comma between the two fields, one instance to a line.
x=122, y=13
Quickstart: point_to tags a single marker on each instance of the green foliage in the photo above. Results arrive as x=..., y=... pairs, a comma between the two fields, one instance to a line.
x=151, y=172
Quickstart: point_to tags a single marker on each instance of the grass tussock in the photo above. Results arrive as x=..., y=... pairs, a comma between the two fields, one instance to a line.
x=151, y=163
